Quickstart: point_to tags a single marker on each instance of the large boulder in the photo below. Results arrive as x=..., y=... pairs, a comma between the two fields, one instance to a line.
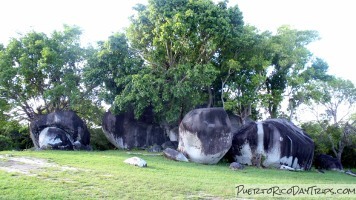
x=126, y=132
x=60, y=130
x=272, y=143
x=323, y=161
x=205, y=135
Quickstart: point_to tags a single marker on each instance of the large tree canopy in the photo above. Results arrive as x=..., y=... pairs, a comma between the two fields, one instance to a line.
x=109, y=68
x=242, y=62
x=290, y=57
x=40, y=74
x=178, y=40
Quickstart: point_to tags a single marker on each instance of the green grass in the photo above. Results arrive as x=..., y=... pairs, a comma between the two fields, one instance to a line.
x=103, y=175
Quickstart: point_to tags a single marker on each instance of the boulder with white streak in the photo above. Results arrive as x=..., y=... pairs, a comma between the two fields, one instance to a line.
x=272, y=143
x=136, y=161
x=205, y=135
x=54, y=138
x=63, y=130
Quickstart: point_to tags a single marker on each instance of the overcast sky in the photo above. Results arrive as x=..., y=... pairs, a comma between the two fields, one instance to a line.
x=334, y=20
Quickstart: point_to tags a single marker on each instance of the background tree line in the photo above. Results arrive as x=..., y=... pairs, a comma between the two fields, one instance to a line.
x=175, y=56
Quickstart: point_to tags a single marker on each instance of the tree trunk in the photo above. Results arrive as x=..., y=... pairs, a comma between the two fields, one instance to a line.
x=210, y=103
x=245, y=113
x=272, y=110
x=222, y=94
x=291, y=109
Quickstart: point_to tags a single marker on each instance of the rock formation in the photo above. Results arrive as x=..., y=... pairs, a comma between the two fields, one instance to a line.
x=272, y=143
x=327, y=162
x=126, y=132
x=60, y=130
x=174, y=155
x=205, y=135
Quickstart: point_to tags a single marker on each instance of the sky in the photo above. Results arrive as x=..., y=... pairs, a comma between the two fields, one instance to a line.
x=334, y=20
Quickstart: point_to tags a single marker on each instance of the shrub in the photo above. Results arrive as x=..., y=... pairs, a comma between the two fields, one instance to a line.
x=98, y=141
x=5, y=143
x=14, y=136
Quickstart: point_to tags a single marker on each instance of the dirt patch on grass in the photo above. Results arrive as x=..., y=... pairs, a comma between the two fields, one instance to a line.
x=28, y=165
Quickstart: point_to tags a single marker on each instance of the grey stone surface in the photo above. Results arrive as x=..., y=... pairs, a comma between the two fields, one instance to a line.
x=155, y=148
x=170, y=144
x=205, y=135
x=63, y=130
x=236, y=166
x=272, y=143
x=174, y=155
x=126, y=132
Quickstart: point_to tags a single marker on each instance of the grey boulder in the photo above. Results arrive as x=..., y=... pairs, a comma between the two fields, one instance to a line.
x=236, y=166
x=272, y=143
x=174, y=155
x=205, y=135
x=126, y=132
x=62, y=130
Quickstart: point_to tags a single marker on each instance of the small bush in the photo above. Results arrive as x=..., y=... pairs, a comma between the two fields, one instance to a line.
x=17, y=135
x=98, y=140
x=5, y=143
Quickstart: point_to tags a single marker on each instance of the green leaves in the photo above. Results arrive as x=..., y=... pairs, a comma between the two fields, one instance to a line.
x=178, y=40
x=109, y=68
x=42, y=72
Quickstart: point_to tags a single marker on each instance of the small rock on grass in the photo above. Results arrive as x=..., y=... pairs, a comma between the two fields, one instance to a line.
x=174, y=155
x=236, y=166
x=136, y=161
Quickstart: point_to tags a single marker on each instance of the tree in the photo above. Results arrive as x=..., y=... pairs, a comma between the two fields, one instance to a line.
x=109, y=68
x=178, y=40
x=41, y=74
x=243, y=63
x=303, y=88
x=338, y=95
x=289, y=59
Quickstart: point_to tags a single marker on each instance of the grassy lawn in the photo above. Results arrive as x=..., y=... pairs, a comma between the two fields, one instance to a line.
x=103, y=175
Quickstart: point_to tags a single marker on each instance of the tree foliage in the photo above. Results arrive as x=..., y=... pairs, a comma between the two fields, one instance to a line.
x=14, y=135
x=175, y=56
x=178, y=40
x=109, y=66
x=41, y=74
x=338, y=92
x=243, y=63
x=337, y=96
x=289, y=59
x=304, y=88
